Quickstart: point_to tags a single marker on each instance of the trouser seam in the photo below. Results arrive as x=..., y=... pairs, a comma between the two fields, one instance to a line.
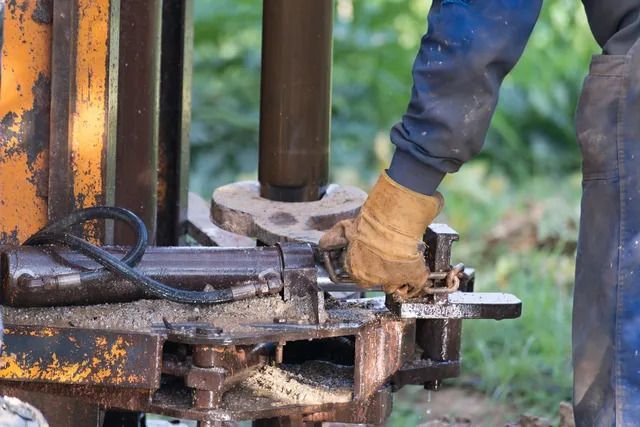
x=619, y=387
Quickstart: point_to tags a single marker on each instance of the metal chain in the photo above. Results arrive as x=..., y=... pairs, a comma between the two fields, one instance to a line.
x=451, y=277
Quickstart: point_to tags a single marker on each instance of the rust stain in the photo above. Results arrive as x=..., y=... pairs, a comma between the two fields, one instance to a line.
x=89, y=128
x=42, y=12
x=106, y=366
x=24, y=120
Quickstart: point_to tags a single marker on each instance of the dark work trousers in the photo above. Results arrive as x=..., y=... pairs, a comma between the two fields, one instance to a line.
x=469, y=47
x=606, y=312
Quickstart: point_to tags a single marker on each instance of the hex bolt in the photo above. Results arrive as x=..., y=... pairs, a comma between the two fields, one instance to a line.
x=205, y=356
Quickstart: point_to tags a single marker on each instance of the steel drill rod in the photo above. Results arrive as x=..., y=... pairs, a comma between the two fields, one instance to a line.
x=295, y=100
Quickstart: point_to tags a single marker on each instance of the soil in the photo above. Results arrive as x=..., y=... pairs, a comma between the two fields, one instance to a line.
x=454, y=407
x=140, y=315
x=461, y=407
x=310, y=383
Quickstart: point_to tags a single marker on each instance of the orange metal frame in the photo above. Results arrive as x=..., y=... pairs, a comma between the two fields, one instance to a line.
x=56, y=112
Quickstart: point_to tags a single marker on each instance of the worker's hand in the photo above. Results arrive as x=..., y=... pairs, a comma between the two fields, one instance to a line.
x=384, y=243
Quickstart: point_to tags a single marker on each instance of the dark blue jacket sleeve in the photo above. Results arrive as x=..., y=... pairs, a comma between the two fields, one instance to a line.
x=469, y=47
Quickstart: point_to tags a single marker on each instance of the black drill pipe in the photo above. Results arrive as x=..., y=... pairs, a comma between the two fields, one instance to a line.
x=188, y=268
x=295, y=102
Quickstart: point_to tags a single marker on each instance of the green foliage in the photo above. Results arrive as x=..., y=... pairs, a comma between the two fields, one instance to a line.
x=525, y=362
x=532, y=131
x=375, y=44
x=226, y=87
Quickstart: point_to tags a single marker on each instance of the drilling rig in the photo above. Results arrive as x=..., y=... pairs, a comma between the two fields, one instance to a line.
x=125, y=294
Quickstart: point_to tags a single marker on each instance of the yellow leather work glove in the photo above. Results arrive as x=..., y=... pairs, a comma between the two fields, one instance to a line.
x=384, y=243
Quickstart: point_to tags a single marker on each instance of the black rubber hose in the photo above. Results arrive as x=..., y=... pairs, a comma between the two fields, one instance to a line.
x=131, y=258
x=113, y=264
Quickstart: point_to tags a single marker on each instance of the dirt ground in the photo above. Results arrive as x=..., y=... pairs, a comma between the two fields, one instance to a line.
x=458, y=406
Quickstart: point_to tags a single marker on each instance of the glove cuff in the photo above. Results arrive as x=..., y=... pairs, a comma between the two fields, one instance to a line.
x=400, y=209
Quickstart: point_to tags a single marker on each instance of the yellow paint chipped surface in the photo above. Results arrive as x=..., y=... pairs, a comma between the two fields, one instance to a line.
x=24, y=136
x=26, y=61
x=106, y=367
x=89, y=128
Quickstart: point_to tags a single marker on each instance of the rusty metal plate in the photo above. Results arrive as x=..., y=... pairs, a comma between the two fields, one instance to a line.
x=238, y=208
x=256, y=333
x=81, y=357
x=459, y=305
x=129, y=399
x=381, y=349
x=205, y=232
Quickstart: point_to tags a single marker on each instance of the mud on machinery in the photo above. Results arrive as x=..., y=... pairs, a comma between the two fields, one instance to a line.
x=212, y=312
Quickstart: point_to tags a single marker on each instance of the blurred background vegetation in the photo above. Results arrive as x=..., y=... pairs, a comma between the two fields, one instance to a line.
x=515, y=206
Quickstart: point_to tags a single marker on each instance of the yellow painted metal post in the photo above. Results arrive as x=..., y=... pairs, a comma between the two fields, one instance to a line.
x=24, y=118
x=58, y=96
x=83, y=110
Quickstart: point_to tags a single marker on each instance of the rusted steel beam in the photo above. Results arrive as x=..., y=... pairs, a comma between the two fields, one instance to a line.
x=138, y=114
x=24, y=118
x=81, y=357
x=440, y=339
x=1, y=34
x=175, y=120
x=295, y=101
x=83, y=117
x=418, y=372
x=391, y=341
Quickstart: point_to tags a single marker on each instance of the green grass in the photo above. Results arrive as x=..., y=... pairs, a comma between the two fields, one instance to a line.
x=524, y=361
x=524, y=364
